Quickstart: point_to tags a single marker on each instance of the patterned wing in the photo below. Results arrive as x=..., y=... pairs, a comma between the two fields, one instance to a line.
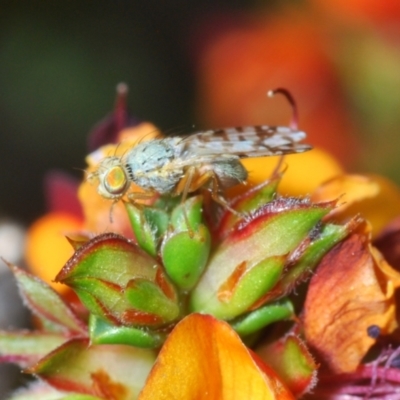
x=248, y=141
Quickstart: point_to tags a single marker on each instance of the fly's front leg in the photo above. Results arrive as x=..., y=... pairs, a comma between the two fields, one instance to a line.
x=190, y=183
x=134, y=196
x=184, y=187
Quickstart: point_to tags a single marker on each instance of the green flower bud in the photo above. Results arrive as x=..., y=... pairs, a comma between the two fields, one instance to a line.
x=252, y=259
x=120, y=283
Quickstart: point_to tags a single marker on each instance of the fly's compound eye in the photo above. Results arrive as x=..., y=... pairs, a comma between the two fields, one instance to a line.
x=115, y=181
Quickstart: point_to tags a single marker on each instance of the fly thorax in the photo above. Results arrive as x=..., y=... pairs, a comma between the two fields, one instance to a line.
x=149, y=165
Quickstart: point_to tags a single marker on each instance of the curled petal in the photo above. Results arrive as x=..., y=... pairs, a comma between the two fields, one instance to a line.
x=352, y=290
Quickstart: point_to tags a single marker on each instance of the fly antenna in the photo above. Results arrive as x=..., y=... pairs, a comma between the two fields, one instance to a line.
x=123, y=154
x=147, y=134
x=116, y=148
x=176, y=131
x=294, y=122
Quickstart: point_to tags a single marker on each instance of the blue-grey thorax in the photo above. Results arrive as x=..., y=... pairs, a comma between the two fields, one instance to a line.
x=147, y=165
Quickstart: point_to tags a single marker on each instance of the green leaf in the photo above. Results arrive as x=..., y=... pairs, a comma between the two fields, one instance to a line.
x=301, y=265
x=192, y=209
x=255, y=320
x=25, y=348
x=147, y=297
x=113, y=277
x=108, y=257
x=148, y=224
x=248, y=202
x=45, y=302
x=273, y=231
x=240, y=293
x=102, y=332
x=107, y=371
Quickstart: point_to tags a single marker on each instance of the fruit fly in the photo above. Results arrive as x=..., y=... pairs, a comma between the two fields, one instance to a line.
x=204, y=160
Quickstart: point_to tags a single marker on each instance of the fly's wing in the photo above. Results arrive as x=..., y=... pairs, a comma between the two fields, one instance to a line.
x=249, y=141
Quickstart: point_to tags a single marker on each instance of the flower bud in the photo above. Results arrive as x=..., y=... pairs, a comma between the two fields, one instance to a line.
x=252, y=259
x=120, y=283
x=185, y=249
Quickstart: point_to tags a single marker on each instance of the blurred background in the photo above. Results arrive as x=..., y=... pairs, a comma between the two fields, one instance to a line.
x=207, y=63
x=189, y=65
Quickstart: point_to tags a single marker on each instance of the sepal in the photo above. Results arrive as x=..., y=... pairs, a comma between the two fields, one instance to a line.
x=101, y=332
x=256, y=320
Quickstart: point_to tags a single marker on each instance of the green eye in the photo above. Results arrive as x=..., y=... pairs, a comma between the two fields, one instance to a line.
x=115, y=180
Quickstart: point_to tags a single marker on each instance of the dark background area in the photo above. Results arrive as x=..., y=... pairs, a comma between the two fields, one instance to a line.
x=59, y=65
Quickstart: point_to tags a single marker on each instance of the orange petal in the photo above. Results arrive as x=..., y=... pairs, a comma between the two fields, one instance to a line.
x=304, y=173
x=204, y=358
x=352, y=290
x=99, y=217
x=376, y=198
x=47, y=249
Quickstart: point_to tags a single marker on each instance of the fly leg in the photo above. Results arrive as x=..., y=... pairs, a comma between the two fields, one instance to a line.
x=216, y=194
x=134, y=196
x=185, y=187
x=190, y=183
